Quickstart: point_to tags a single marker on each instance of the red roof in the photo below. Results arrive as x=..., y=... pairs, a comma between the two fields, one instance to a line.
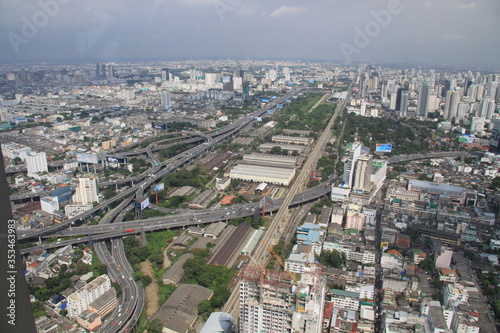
x=33, y=264
x=394, y=252
x=227, y=200
x=328, y=311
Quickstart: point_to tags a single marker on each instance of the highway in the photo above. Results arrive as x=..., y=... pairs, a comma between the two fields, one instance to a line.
x=277, y=226
x=125, y=316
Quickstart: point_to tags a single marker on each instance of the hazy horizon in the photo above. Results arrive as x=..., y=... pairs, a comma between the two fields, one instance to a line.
x=449, y=33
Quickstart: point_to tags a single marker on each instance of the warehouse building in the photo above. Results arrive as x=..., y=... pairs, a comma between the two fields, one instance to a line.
x=266, y=147
x=291, y=140
x=263, y=174
x=270, y=159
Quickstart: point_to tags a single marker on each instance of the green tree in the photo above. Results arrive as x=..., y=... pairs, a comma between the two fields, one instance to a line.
x=146, y=280
x=154, y=326
x=428, y=265
x=331, y=258
x=17, y=161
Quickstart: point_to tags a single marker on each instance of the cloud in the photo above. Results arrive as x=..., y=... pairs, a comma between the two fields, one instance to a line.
x=286, y=10
x=452, y=37
x=469, y=5
x=418, y=42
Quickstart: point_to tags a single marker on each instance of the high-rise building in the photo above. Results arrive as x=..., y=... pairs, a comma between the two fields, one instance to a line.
x=423, y=100
x=266, y=300
x=350, y=164
x=165, y=74
x=362, y=171
x=165, y=100
x=495, y=137
x=36, y=162
x=451, y=105
x=86, y=192
x=270, y=301
x=80, y=300
x=97, y=69
x=402, y=101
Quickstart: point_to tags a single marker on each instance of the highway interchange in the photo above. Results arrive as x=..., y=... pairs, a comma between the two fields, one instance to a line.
x=131, y=302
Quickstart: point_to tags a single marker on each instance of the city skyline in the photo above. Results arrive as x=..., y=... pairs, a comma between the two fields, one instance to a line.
x=446, y=33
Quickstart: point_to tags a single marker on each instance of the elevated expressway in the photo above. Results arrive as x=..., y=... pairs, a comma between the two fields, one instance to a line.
x=125, y=316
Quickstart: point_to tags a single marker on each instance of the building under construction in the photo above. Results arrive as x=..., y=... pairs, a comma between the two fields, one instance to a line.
x=273, y=301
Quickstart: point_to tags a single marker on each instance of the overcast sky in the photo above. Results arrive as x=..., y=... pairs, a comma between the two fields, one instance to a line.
x=416, y=31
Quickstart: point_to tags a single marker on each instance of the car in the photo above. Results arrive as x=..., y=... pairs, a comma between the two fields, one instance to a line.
x=113, y=323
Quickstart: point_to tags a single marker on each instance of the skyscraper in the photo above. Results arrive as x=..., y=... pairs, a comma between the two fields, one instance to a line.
x=495, y=137
x=451, y=105
x=86, y=192
x=362, y=171
x=165, y=100
x=402, y=102
x=423, y=100
x=36, y=162
x=350, y=164
x=165, y=74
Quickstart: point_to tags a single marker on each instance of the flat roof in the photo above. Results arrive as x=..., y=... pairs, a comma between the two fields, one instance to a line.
x=229, y=248
x=181, y=309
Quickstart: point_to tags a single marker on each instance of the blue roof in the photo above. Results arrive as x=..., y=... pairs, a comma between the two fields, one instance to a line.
x=64, y=306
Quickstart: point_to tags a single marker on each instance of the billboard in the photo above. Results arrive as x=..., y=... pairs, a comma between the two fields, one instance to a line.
x=271, y=111
x=159, y=187
x=265, y=100
x=120, y=160
x=258, y=119
x=280, y=105
x=141, y=203
x=157, y=125
x=377, y=164
x=310, y=81
x=288, y=101
x=466, y=139
x=86, y=158
x=383, y=148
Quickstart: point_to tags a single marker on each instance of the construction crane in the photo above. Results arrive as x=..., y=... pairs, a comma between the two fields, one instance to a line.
x=294, y=278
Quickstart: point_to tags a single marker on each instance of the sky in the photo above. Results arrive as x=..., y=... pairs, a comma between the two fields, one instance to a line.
x=434, y=32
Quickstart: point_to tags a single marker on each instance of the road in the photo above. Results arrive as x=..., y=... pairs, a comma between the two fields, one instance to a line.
x=131, y=301
x=277, y=226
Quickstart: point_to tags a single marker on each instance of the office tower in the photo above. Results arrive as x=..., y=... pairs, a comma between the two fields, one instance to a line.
x=103, y=70
x=393, y=100
x=483, y=107
x=165, y=74
x=446, y=88
x=80, y=300
x=480, y=92
x=495, y=137
x=490, y=109
x=86, y=192
x=36, y=162
x=451, y=105
x=423, y=100
x=110, y=72
x=98, y=70
x=402, y=102
x=350, y=164
x=227, y=83
x=239, y=73
x=362, y=171
x=165, y=100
